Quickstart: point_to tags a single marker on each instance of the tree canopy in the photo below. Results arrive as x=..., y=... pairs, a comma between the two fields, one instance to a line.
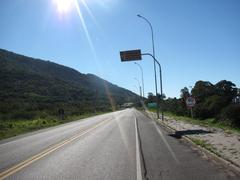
x=220, y=101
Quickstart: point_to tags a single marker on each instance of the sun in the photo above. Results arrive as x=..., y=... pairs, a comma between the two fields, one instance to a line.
x=64, y=6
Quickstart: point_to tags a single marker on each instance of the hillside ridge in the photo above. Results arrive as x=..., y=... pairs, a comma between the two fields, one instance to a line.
x=31, y=87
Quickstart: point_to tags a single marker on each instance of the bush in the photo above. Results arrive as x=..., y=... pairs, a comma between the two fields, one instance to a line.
x=23, y=115
x=213, y=104
x=201, y=111
x=231, y=114
x=43, y=115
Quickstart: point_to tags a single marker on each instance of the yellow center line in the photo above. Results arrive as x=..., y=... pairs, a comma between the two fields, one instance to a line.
x=44, y=153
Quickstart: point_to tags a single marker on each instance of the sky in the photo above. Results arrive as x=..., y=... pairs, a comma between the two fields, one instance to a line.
x=194, y=39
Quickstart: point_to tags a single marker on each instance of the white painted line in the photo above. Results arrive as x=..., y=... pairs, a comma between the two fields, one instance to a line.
x=166, y=143
x=138, y=161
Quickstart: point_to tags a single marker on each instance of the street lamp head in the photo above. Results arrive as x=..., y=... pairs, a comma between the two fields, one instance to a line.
x=139, y=15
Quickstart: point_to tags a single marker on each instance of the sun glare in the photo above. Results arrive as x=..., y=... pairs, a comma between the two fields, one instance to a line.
x=63, y=6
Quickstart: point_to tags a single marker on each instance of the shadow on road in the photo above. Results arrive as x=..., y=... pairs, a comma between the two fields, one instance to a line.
x=179, y=134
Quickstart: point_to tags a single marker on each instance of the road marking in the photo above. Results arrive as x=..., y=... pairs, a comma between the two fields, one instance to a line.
x=166, y=143
x=44, y=153
x=138, y=162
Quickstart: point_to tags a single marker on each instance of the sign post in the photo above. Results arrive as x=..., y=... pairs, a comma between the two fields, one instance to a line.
x=134, y=55
x=190, y=102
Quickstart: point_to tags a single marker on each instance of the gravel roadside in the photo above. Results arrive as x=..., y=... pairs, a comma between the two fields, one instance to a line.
x=224, y=144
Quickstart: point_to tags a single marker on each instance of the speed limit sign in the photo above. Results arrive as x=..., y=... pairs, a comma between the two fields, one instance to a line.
x=190, y=101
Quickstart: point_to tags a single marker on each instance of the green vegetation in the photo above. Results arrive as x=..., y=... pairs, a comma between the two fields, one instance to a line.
x=10, y=128
x=220, y=103
x=13, y=128
x=33, y=91
x=210, y=122
x=204, y=144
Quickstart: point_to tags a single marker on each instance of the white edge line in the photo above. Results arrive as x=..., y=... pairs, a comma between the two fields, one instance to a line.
x=166, y=143
x=138, y=162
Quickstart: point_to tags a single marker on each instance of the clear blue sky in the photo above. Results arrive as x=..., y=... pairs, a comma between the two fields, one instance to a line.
x=194, y=39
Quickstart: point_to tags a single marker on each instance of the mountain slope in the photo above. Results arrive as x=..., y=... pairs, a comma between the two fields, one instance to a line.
x=32, y=87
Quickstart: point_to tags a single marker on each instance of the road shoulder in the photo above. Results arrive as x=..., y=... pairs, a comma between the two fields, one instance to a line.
x=215, y=143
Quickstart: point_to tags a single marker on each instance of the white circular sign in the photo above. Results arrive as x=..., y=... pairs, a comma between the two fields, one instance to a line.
x=190, y=101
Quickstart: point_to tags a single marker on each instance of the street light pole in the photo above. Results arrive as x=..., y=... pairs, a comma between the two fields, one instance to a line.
x=153, y=49
x=161, y=86
x=142, y=77
x=160, y=72
x=140, y=90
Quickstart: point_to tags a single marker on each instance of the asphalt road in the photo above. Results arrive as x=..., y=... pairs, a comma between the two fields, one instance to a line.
x=119, y=145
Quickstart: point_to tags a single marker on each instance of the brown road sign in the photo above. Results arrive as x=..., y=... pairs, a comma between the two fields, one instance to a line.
x=132, y=55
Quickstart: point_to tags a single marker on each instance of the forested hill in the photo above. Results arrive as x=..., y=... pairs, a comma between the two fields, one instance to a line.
x=33, y=87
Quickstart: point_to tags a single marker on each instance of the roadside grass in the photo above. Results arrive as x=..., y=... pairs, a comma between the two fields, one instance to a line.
x=11, y=128
x=204, y=144
x=152, y=110
x=211, y=122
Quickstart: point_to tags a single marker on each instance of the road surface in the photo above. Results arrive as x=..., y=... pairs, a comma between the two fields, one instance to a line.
x=123, y=145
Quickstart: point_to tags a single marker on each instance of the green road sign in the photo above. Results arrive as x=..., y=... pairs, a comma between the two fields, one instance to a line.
x=152, y=105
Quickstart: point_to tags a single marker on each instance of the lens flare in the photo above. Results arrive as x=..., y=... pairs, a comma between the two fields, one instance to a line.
x=63, y=6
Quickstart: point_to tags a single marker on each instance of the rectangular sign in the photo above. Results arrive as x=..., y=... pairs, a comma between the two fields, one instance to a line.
x=152, y=105
x=132, y=55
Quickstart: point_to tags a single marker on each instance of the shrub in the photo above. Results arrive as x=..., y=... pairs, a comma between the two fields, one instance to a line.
x=201, y=111
x=23, y=115
x=231, y=114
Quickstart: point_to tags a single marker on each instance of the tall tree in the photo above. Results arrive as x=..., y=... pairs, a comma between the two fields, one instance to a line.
x=184, y=93
x=227, y=90
x=203, y=89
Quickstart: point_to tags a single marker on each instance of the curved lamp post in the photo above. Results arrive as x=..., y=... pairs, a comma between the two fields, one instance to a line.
x=153, y=49
x=142, y=77
x=140, y=90
x=160, y=72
